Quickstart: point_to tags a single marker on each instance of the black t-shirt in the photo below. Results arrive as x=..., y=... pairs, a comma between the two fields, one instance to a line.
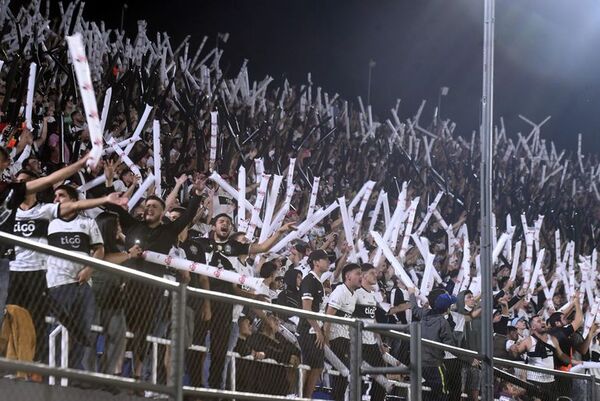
x=563, y=336
x=219, y=254
x=194, y=253
x=158, y=239
x=311, y=288
x=12, y=194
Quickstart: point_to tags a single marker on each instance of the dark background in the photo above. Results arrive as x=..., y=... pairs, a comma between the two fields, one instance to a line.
x=547, y=58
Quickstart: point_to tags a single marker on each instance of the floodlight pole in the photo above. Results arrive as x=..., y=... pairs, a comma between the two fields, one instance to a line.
x=487, y=112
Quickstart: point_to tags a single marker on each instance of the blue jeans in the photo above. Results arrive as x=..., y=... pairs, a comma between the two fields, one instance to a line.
x=78, y=309
x=4, y=280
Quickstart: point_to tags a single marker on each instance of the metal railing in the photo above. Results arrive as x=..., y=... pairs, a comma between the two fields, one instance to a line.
x=181, y=292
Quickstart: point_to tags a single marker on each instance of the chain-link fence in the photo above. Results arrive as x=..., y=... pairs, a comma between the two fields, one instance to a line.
x=126, y=334
x=443, y=372
x=137, y=334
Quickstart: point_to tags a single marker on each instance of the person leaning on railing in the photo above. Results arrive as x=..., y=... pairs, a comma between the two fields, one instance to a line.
x=12, y=194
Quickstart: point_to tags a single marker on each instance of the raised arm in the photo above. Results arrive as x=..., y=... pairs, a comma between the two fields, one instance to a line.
x=42, y=183
x=170, y=201
x=272, y=240
x=70, y=207
x=578, y=321
x=43, y=133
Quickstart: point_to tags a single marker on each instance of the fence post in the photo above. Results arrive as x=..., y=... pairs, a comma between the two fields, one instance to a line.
x=178, y=340
x=592, y=387
x=355, y=391
x=415, y=361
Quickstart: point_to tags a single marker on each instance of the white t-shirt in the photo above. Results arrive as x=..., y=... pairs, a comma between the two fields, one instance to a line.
x=32, y=224
x=343, y=301
x=78, y=235
x=365, y=308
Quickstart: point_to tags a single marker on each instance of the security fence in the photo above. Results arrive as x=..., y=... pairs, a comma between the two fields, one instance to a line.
x=151, y=336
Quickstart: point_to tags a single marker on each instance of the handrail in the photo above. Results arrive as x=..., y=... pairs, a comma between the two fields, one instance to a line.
x=228, y=298
x=164, y=283
x=99, y=264
x=92, y=377
x=445, y=347
x=214, y=393
x=538, y=369
x=234, y=299
x=505, y=362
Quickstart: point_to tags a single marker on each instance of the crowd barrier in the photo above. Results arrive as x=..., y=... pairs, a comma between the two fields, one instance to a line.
x=576, y=385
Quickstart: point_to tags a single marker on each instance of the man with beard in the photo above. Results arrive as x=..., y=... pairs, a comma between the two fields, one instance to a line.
x=222, y=251
x=541, y=348
x=153, y=234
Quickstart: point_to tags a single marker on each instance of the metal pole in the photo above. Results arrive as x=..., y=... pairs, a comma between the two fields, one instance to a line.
x=369, y=87
x=62, y=139
x=592, y=387
x=487, y=102
x=355, y=390
x=178, y=341
x=415, y=361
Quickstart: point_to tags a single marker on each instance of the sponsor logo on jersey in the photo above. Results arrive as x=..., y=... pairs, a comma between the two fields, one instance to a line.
x=71, y=240
x=25, y=228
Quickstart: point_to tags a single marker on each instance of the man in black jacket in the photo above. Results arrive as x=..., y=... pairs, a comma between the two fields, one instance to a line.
x=434, y=327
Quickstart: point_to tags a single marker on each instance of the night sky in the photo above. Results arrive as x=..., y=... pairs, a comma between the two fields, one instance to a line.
x=546, y=55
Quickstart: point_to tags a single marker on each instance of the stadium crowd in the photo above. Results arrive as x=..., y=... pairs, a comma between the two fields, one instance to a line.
x=323, y=148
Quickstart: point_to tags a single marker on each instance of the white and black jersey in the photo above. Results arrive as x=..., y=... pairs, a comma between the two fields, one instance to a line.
x=365, y=308
x=311, y=288
x=79, y=234
x=343, y=300
x=33, y=224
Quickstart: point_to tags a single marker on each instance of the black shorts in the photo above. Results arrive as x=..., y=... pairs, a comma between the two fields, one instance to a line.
x=312, y=355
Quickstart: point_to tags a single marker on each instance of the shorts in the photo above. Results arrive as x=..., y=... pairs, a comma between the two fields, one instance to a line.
x=312, y=355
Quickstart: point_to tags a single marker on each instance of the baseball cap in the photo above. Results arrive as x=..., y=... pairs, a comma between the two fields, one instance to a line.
x=317, y=255
x=444, y=301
